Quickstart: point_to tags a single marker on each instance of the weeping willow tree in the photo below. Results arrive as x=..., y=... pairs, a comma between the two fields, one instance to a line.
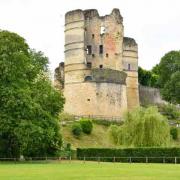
x=143, y=127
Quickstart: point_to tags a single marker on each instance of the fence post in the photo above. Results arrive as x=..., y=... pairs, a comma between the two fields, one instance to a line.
x=130, y=160
x=60, y=158
x=70, y=159
x=175, y=160
x=146, y=159
x=98, y=159
x=84, y=159
x=114, y=160
x=163, y=159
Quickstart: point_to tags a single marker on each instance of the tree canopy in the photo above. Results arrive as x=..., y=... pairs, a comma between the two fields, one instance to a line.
x=165, y=75
x=29, y=104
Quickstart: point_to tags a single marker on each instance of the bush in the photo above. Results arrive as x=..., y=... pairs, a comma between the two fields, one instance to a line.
x=113, y=132
x=174, y=133
x=170, y=111
x=76, y=129
x=106, y=122
x=136, y=154
x=86, y=125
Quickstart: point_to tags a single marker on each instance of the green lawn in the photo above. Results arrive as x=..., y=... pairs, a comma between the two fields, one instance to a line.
x=89, y=170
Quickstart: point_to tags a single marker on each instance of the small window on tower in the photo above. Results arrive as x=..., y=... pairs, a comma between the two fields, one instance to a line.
x=89, y=49
x=89, y=64
x=101, y=66
x=107, y=55
x=129, y=67
x=100, y=49
x=92, y=36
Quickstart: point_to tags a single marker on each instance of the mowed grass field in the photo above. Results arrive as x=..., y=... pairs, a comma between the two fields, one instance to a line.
x=89, y=170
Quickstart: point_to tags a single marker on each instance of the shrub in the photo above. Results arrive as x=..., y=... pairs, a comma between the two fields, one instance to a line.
x=174, y=133
x=113, y=132
x=170, y=111
x=86, y=125
x=76, y=129
x=106, y=122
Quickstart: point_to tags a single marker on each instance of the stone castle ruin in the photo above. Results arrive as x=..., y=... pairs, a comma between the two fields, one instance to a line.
x=99, y=76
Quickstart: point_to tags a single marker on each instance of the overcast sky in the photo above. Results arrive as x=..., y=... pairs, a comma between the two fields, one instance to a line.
x=154, y=24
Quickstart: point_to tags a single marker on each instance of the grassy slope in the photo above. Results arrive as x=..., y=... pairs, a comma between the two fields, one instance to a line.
x=89, y=171
x=98, y=138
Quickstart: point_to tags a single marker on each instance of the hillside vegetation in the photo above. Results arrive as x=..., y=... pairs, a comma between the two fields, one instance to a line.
x=98, y=138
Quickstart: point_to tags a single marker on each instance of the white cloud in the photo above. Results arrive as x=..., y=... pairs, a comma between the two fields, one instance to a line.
x=154, y=24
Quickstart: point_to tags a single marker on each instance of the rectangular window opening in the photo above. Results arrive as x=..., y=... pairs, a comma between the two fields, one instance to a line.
x=89, y=64
x=129, y=67
x=100, y=49
x=101, y=66
x=89, y=49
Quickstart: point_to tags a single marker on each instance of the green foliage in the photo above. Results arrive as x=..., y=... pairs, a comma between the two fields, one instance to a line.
x=147, y=78
x=169, y=76
x=106, y=122
x=29, y=103
x=76, y=129
x=170, y=111
x=143, y=127
x=171, y=90
x=130, y=152
x=169, y=64
x=174, y=133
x=86, y=125
x=113, y=132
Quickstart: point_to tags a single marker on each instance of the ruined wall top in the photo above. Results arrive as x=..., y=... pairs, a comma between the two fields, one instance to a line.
x=129, y=41
x=79, y=14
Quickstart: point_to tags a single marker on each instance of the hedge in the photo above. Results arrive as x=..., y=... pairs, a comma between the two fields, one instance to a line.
x=154, y=155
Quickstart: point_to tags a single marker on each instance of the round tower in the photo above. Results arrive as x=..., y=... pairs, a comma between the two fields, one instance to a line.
x=130, y=65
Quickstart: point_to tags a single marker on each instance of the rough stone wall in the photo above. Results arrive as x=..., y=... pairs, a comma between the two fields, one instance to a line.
x=59, y=76
x=149, y=95
x=91, y=98
x=91, y=90
x=130, y=66
x=111, y=39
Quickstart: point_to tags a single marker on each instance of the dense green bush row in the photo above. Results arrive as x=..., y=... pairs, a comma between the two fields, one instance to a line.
x=131, y=154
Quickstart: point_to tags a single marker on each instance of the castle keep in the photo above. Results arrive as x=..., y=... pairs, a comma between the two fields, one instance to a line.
x=99, y=76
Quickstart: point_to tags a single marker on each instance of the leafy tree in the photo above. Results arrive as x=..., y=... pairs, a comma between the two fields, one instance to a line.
x=143, y=127
x=147, y=78
x=169, y=64
x=171, y=90
x=29, y=105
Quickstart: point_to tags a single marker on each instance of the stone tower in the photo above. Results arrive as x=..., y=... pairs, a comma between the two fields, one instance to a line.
x=100, y=70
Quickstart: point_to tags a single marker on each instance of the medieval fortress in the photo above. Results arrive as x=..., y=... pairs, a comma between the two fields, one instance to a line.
x=99, y=76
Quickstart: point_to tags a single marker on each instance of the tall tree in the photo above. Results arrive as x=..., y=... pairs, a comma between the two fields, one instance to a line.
x=169, y=64
x=29, y=105
x=169, y=76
